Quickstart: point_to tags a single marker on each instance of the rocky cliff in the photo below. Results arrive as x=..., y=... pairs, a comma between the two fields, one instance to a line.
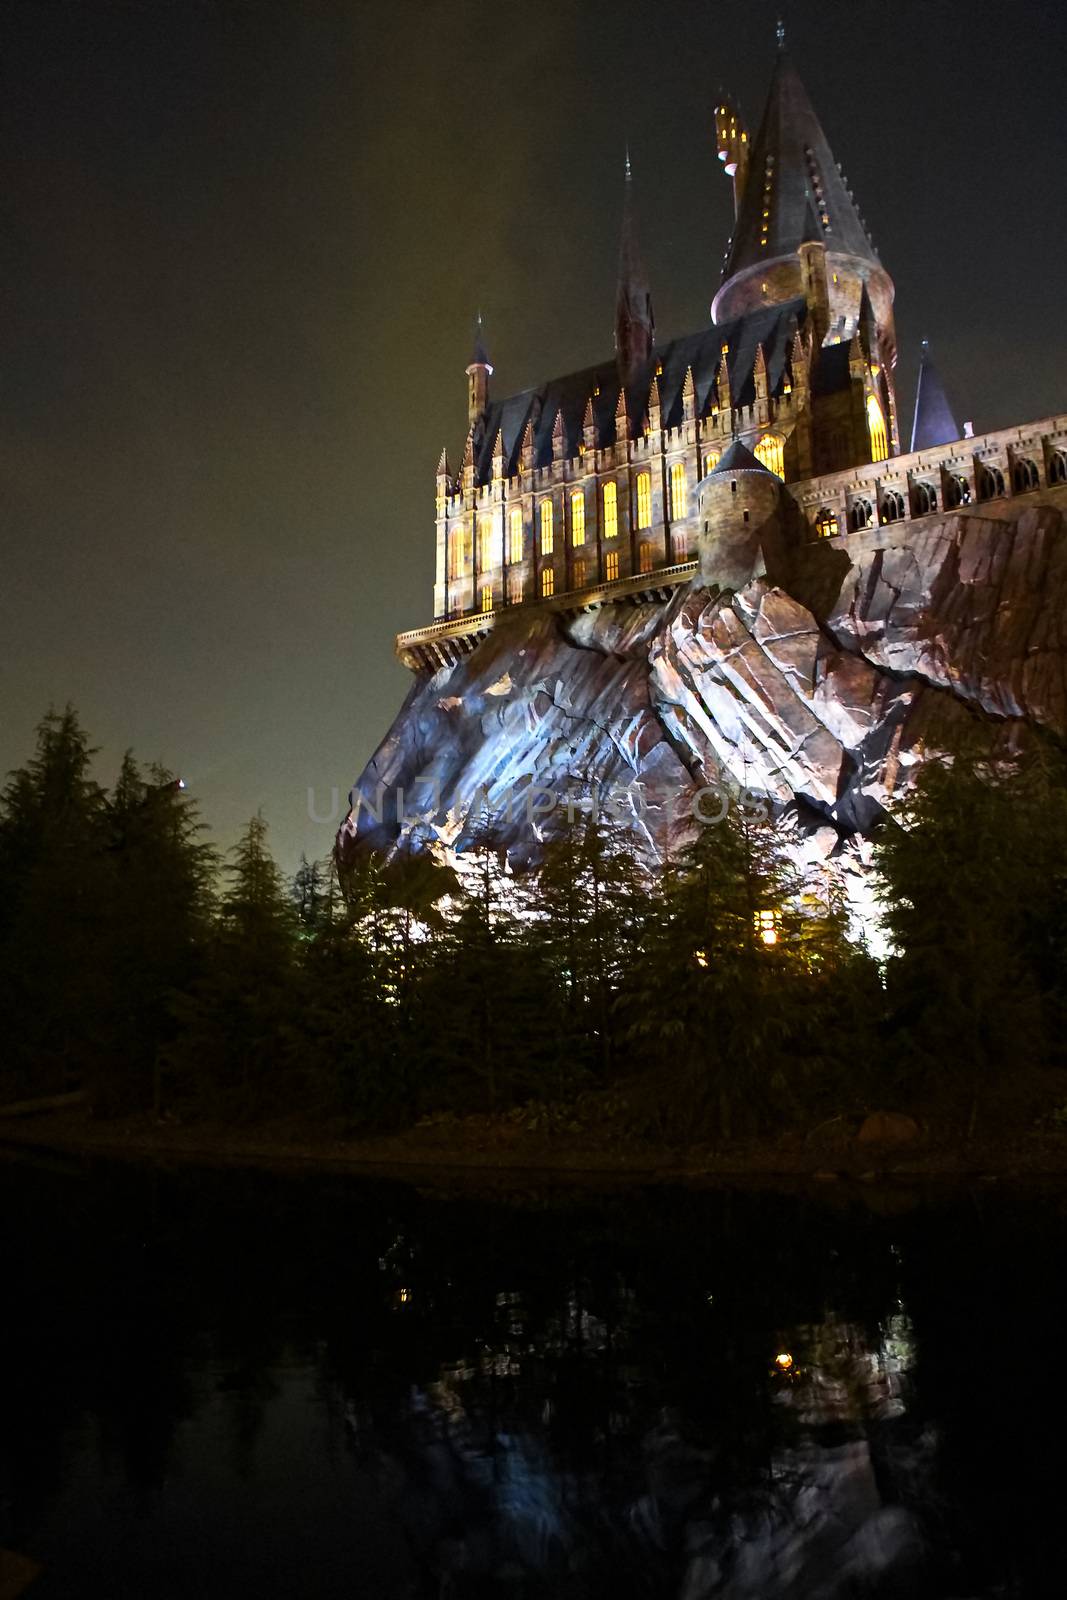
x=821, y=692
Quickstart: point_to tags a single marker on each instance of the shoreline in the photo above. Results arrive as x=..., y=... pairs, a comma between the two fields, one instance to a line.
x=486, y=1151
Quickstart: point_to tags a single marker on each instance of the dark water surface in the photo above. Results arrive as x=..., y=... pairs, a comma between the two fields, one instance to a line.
x=231, y=1384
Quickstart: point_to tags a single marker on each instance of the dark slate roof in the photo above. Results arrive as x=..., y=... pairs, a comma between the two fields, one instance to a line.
x=806, y=185
x=934, y=423
x=738, y=458
x=773, y=327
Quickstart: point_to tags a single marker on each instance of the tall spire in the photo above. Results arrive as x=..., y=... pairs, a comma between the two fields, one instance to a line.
x=479, y=371
x=635, y=327
x=934, y=423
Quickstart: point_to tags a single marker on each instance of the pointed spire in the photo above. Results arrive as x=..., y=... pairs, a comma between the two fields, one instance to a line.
x=934, y=423
x=635, y=327
x=795, y=191
x=655, y=408
x=622, y=417
x=498, y=455
x=526, y=448
x=589, y=426
x=442, y=464
x=479, y=371
x=722, y=381
x=558, y=440
x=689, y=396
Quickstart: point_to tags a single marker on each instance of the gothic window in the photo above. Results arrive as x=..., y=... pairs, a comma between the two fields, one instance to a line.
x=923, y=498
x=957, y=491
x=578, y=517
x=990, y=483
x=678, y=495
x=611, y=510
x=771, y=451
x=460, y=553
x=578, y=574
x=515, y=589
x=644, y=555
x=862, y=515
x=644, y=500
x=546, y=528
x=892, y=506
x=711, y=461
x=1024, y=475
x=1057, y=467
x=485, y=545
x=877, y=430
x=548, y=581
x=487, y=597
x=515, y=536
x=826, y=524
x=611, y=565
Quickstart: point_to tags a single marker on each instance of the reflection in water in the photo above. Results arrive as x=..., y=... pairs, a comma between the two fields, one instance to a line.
x=235, y=1384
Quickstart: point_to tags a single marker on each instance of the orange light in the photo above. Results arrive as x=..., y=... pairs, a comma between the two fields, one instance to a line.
x=783, y=1361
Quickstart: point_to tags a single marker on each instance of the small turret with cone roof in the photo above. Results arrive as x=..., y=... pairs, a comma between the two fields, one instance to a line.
x=479, y=371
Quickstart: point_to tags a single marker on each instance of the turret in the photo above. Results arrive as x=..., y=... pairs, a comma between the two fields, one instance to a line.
x=740, y=533
x=731, y=145
x=635, y=326
x=479, y=372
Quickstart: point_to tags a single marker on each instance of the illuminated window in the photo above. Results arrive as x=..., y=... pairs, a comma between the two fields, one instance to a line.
x=548, y=581
x=578, y=517
x=611, y=510
x=771, y=451
x=485, y=545
x=515, y=535
x=460, y=553
x=487, y=597
x=644, y=500
x=515, y=589
x=611, y=565
x=826, y=525
x=711, y=461
x=677, y=482
x=876, y=429
x=546, y=527
x=644, y=556
x=578, y=575
x=767, y=927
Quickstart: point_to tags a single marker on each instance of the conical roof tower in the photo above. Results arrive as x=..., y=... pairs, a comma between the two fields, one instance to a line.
x=934, y=423
x=635, y=325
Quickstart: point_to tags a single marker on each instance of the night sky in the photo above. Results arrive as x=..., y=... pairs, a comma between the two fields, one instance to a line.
x=242, y=244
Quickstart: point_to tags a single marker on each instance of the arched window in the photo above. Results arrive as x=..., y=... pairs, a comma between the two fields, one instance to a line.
x=923, y=498
x=771, y=451
x=877, y=430
x=826, y=524
x=487, y=597
x=711, y=461
x=611, y=565
x=578, y=517
x=862, y=515
x=485, y=545
x=1057, y=467
x=515, y=536
x=1024, y=475
x=578, y=574
x=990, y=483
x=548, y=581
x=644, y=556
x=546, y=527
x=957, y=492
x=678, y=495
x=892, y=506
x=515, y=589
x=644, y=500
x=611, y=510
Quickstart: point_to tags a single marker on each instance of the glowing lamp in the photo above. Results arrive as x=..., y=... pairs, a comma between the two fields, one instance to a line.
x=784, y=1361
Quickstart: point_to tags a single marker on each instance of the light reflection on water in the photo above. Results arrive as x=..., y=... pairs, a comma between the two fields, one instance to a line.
x=222, y=1384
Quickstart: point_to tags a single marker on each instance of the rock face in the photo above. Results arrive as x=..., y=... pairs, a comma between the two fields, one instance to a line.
x=821, y=694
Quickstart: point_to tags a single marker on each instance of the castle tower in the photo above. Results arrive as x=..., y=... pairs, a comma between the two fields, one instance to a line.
x=795, y=199
x=740, y=531
x=479, y=372
x=934, y=423
x=635, y=325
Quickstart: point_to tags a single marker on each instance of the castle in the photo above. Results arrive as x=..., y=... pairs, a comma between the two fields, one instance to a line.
x=714, y=555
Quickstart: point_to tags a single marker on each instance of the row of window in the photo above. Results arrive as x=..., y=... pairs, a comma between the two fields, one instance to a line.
x=579, y=577
x=770, y=450
x=957, y=492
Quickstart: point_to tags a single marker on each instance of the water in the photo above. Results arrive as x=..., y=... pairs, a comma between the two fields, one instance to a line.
x=238, y=1384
